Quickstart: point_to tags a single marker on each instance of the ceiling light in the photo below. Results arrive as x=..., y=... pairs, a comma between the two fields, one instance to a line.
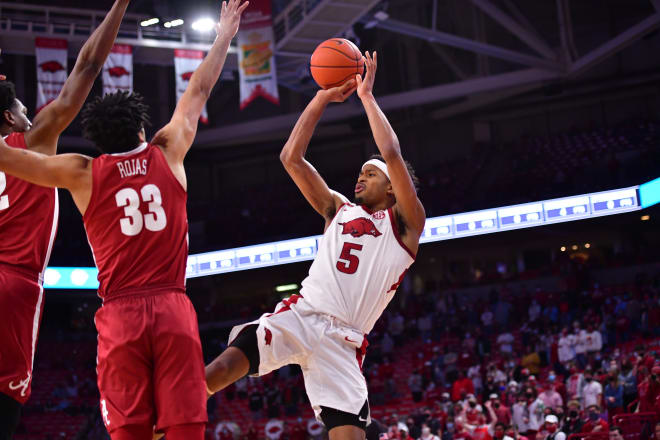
x=286, y=287
x=574, y=247
x=149, y=22
x=203, y=24
x=173, y=23
x=646, y=218
x=563, y=248
x=587, y=245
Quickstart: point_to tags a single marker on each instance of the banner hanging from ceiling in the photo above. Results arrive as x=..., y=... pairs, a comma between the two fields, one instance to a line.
x=51, y=69
x=118, y=70
x=256, y=54
x=185, y=64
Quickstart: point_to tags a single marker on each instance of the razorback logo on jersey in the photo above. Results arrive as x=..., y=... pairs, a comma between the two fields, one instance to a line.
x=269, y=336
x=359, y=227
x=118, y=71
x=51, y=66
x=186, y=76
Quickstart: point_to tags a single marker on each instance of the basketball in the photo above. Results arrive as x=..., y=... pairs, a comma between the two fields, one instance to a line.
x=336, y=61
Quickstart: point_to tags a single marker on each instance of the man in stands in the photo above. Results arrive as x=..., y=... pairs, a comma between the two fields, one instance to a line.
x=649, y=390
x=551, y=429
x=592, y=390
x=593, y=422
x=550, y=397
x=573, y=423
x=616, y=433
x=502, y=412
x=462, y=387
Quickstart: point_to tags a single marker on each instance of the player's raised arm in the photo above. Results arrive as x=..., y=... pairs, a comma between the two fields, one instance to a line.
x=56, y=116
x=408, y=204
x=70, y=171
x=308, y=180
x=177, y=137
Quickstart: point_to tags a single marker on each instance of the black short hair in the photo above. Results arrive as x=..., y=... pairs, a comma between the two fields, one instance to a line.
x=113, y=122
x=7, y=95
x=411, y=170
x=617, y=429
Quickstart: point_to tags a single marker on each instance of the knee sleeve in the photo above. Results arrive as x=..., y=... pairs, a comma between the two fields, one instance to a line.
x=246, y=341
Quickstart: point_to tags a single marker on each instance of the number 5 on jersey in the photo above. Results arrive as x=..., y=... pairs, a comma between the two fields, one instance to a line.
x=155, y=220
x=348, y=262
x=4, y=200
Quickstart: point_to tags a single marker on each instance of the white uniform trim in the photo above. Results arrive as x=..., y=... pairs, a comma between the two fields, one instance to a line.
x=136, y=150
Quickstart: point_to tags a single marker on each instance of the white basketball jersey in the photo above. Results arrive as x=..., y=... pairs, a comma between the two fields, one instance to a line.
x=360, y=263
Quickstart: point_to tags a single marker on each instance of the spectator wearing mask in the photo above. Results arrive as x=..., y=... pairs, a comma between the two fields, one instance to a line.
x=580, y=344
x=474, y=374
x=592, y=391
x=505, y=343
x=573, y=422
x=566, y=347
x=534, y=310
x=502, y=412
x=415, y=385
x=551, y=429
x=649, y=390
x=594, y=342
x=593, y=421
x=616, y=433
x=629, y=382
x=536, y=412
x=473, y=413
x=426, y=434
x=485, y=431
x=461, y=387
x=557, y=384
x=520, y=414
x=613, y=396
x=574, y=384
x=551, y=398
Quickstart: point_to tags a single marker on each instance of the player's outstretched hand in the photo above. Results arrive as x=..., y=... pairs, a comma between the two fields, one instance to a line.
x=365, y=86
x=339, y=93
x=230, y=18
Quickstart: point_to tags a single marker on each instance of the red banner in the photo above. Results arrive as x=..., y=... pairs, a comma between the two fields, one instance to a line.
x=51, y=69
x=185, y=64
x=118, y=69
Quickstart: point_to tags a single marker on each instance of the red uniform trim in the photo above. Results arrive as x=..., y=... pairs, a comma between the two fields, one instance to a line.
x=367, y=210
x=361, y=352
x=395, y=228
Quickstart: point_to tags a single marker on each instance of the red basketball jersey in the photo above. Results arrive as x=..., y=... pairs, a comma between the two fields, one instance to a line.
x=28, y=220
x=136, y=223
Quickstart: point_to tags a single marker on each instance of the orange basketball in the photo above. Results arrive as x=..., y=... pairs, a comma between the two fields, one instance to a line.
x=336, y=61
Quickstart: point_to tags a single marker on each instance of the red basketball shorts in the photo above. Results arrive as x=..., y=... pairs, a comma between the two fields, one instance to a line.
x=150, y=366
x=21, y=306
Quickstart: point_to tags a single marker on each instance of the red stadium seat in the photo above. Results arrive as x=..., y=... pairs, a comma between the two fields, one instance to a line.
x=633, y=425
x=589, y=436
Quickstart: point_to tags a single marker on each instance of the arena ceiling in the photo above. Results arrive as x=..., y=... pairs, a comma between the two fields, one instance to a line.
x=463, y=54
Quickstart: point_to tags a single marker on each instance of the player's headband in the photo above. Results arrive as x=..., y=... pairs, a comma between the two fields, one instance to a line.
x=378, y=164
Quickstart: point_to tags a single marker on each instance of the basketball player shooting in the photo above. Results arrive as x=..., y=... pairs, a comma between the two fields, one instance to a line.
x=365, y=251
x=133, y=202
x=29, y=213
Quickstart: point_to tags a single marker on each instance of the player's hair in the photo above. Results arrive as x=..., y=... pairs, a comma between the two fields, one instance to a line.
x=411, y=170
x=7, y=96
x=113, y=122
